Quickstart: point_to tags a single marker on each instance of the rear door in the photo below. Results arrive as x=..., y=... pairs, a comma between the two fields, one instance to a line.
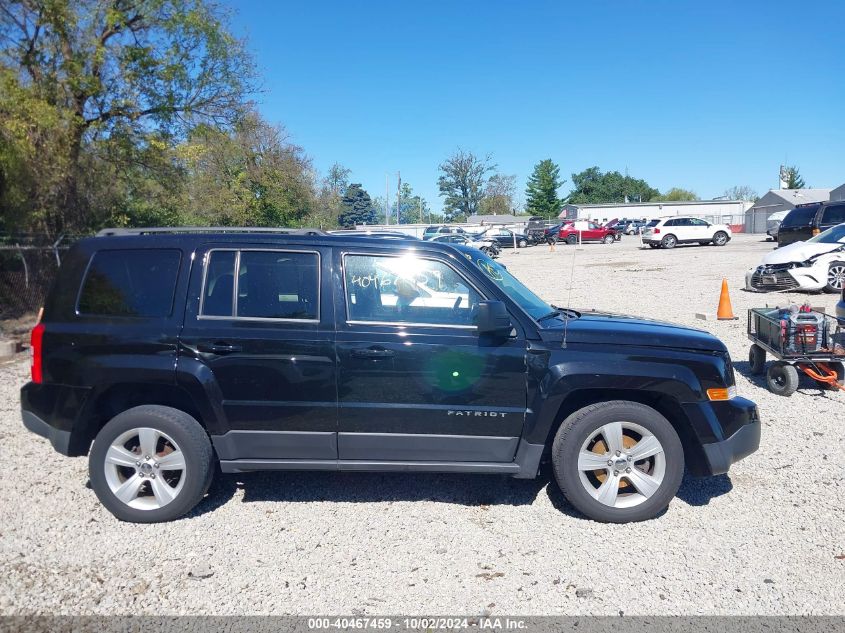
x=416, y=382
x=260, y=318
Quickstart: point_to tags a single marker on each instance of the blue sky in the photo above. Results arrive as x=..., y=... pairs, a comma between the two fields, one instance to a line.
x=702, y=95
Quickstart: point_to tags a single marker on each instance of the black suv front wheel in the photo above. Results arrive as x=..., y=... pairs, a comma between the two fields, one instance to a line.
x=151, y=464
x=618, y=461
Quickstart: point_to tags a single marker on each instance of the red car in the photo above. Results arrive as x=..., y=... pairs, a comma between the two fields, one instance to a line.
x=589, y=232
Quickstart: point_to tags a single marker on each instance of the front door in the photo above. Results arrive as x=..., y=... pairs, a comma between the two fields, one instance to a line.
x=256, y=320
x=415, y=381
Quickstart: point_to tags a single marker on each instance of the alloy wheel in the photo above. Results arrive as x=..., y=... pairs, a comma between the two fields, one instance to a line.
x=621, y=464
x=145, y=469
x=836, y=276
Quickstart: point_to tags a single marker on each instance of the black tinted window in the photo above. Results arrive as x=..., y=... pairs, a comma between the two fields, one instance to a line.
x=834, y=214
x=800, y=216
x=278, y=285
x=133, y=283
x=218, y=295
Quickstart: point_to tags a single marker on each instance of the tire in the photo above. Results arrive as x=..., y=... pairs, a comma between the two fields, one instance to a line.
x=782, y=379
x=572, y=239
x=172, y=429
x=757, y=360
x=485, y=250
x=582, y=488
x=522, y=243
x=835, y=277
x=608, y=239
x=669, y=241
x=720, y=238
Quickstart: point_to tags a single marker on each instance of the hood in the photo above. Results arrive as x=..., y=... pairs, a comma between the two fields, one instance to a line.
x=798, y=252
x=618, y=329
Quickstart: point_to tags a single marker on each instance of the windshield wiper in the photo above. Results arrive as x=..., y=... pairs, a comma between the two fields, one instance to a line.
x=550, y=315
x=558, y=311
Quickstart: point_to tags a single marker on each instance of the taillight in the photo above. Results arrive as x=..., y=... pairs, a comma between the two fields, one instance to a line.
x=655, y=231
x=35, y=341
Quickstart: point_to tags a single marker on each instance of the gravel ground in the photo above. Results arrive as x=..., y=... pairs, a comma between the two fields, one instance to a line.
x=768, y=538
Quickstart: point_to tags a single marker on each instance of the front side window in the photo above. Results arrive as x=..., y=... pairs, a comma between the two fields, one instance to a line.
x=407, y=289
x=268, y=285
x=697, y=222
x=130, y=283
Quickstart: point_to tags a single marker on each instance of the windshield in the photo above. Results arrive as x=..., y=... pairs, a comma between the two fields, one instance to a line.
x=800, y=216
x=514, y=288
x=834, y=235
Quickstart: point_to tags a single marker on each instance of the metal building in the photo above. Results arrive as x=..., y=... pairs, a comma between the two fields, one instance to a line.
x=782, y=200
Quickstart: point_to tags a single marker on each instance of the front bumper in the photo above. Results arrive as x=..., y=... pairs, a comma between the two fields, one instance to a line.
x=804, y=278
x=728, y=430
x=720, y=455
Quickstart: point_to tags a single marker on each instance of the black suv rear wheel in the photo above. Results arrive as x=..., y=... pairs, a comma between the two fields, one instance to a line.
x=618, y=461
x=151, y=464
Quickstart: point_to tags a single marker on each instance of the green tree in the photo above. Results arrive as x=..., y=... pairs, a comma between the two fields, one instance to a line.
x=793, y=178
x=413, y=208
x=357, y=207
x=250, y=175
x=499, y=195
x=592, y=186
x=129, y=71
x=676, y=194
x=461, y=182
x=328, y=203
x=541, y=192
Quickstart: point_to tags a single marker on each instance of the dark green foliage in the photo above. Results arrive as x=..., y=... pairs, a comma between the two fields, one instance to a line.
x=356, y=207
x=541, y=193
x=793, y=178
x=594, y=187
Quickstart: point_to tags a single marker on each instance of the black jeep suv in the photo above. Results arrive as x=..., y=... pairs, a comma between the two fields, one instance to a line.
x=161, y=352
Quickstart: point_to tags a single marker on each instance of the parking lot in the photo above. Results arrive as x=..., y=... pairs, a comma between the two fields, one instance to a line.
x=767, y=538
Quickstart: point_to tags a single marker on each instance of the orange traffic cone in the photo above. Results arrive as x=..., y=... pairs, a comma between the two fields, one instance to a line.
x=725, y=311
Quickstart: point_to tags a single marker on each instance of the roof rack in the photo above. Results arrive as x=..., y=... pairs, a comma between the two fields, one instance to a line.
x=208, y=229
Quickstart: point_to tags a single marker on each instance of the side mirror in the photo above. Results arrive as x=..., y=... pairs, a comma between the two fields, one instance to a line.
x=493, y=319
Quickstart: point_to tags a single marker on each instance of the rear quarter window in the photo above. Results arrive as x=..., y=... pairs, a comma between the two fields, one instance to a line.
x=130, y=283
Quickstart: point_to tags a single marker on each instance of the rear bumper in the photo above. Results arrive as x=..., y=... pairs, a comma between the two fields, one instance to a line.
x=50, y=410
x=58, y=438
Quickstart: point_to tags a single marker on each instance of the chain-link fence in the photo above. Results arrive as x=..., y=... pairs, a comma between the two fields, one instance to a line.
x=28, y=265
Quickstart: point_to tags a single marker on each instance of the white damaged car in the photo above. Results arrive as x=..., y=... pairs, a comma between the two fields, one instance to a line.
x=817, y=264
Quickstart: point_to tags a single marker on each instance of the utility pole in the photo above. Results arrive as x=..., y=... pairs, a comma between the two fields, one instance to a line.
x=398, y=198
x=386, y=199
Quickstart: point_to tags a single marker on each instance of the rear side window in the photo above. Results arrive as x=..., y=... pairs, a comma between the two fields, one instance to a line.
x=800, y=216
x=268, y=285
x=834, y=214
x=130, y=283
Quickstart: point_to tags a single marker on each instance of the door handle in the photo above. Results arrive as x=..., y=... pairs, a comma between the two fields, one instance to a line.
x=218, y=348
x=373, y=353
